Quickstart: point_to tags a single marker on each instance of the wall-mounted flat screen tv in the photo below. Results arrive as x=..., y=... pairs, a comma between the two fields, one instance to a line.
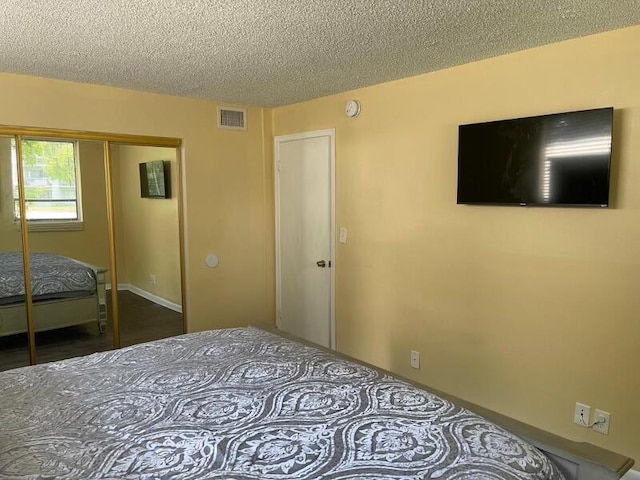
x=562, y=159
x=154, y=179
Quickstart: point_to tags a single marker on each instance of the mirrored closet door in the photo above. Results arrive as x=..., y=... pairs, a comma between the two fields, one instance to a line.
x=98, y=217
x=66, y=212
x=14, y=341
x=146, y=210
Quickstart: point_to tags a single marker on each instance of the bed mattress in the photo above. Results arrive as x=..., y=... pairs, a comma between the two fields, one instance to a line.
x=52, y=276
x=242, y=404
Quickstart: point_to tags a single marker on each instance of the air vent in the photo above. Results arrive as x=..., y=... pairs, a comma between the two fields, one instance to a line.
x=232, y=118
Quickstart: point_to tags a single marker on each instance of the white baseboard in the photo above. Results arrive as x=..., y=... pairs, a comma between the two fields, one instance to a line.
x=631, y=475
x=149, y=296
x=154, y=298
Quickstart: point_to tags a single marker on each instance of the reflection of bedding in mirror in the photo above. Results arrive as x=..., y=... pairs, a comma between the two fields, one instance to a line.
x=53, y=278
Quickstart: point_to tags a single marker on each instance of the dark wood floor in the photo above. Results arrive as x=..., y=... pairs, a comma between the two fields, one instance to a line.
x=140, y=321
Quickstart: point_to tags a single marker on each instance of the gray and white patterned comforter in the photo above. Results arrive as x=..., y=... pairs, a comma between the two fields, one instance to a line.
x=52, y=276
x=241, y=404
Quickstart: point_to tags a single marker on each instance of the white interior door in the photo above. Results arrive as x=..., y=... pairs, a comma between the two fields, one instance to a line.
x=305, y=235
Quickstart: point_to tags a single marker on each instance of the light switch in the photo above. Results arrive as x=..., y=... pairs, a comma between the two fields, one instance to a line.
x=342, y=237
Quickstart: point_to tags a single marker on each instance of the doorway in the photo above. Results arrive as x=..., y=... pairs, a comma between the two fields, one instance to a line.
x=305, y=235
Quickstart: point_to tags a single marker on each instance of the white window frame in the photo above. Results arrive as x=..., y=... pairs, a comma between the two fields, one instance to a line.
x=51, y=225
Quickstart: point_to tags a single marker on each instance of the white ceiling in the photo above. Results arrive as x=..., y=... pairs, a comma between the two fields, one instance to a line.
x=277, y=52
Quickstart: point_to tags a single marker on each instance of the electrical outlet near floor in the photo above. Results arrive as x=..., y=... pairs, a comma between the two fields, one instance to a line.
x=582, y=414
x=415, y=359
x=152, y=279
x=601, y=420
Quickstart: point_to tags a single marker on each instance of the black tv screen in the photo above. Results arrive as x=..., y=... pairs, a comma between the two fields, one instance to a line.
x=154, y=179
x=550, y=160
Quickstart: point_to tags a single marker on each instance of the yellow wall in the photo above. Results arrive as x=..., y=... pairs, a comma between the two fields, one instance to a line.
x=89, y=244
x=522, y=310
x=224, y=172
x=147, y=228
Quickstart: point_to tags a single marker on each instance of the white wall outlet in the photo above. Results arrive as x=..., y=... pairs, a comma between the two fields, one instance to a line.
x=601, y=420
x=582, y=414
x=342, y=237
x=152, y=279
x=415, y=359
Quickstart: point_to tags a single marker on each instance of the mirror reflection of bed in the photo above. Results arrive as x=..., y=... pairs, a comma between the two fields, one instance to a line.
x=69, y=256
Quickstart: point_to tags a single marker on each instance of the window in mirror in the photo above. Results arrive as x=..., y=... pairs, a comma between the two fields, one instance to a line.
x=51, y=184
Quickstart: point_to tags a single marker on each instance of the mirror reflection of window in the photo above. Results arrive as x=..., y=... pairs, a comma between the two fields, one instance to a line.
x=51, y=181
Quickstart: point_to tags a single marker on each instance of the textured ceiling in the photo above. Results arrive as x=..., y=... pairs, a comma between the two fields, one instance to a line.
x=276, y=52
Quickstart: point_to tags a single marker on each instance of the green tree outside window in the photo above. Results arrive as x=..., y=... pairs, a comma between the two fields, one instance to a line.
x=50, y=181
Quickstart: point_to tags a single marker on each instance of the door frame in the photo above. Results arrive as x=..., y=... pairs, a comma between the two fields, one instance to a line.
x=278, y=140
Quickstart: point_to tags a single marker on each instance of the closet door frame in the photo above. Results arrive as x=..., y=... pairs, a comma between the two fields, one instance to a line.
x=107, y=139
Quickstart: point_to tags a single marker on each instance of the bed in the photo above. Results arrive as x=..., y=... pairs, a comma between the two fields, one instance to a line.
x=66, y=292
x=246, y=403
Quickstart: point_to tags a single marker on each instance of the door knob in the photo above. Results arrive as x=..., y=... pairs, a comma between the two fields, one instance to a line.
x=321, y=263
